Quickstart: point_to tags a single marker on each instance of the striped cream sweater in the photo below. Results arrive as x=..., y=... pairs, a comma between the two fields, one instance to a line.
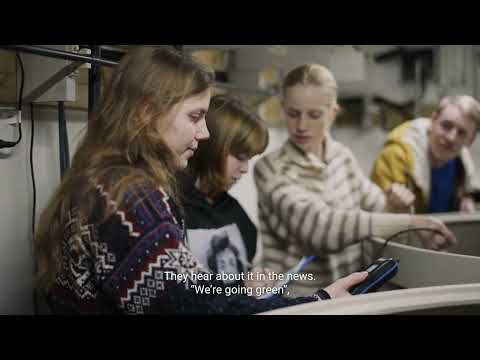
x=311, y=207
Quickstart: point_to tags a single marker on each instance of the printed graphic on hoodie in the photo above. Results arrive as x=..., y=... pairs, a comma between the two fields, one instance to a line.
x=219, y=250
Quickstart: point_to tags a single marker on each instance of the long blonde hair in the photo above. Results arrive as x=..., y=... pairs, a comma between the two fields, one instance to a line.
x=121, y=146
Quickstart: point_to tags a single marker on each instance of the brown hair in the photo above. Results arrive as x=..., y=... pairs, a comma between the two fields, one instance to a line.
x=234, y=130
x=121, y=146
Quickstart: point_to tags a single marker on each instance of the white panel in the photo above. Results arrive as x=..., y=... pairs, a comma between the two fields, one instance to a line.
x=16, y=264
x=40, y=68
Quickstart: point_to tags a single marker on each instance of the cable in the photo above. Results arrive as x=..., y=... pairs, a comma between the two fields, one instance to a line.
x=10, y=144
x=63, y=139
x=34, y=192
x=22, y=82
x=382, y=250
x=32, y=171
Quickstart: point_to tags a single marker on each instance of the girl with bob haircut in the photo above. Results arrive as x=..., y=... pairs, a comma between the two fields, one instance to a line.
x=236, y=135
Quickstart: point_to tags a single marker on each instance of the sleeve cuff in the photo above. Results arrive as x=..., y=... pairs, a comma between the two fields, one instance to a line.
x=322, y=295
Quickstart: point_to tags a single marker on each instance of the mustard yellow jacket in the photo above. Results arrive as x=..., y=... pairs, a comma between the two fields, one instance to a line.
x=404, y=159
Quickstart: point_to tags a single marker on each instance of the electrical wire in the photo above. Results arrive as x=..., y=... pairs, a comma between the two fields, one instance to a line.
x=34, y=192
x=22, y=82
x=382, y=250
x=32, y=171
x=20, y=98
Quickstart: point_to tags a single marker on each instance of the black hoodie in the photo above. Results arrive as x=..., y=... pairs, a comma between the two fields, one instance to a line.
x=220, y=235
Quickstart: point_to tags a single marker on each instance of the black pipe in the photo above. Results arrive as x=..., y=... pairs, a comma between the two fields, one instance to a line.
x=59, y=54
x=63, y=139
x=94, y=80
x=112, y=55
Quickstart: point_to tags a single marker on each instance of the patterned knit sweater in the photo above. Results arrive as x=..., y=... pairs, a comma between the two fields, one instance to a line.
x=311, y=207
x=123, y=264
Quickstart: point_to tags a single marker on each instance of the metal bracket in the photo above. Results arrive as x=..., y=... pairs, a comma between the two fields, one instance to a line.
x=59, y=54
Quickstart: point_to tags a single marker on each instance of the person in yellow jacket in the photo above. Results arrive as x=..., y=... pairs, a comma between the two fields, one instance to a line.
x=431, y=157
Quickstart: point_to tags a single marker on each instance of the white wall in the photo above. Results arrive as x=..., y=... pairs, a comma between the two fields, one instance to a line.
x=16, y=266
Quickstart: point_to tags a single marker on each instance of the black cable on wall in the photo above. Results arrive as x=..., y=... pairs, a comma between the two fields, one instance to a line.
x=34, y=193
x=63, y=139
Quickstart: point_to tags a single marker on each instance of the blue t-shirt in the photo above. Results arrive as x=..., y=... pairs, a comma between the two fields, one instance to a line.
x=443, y=187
